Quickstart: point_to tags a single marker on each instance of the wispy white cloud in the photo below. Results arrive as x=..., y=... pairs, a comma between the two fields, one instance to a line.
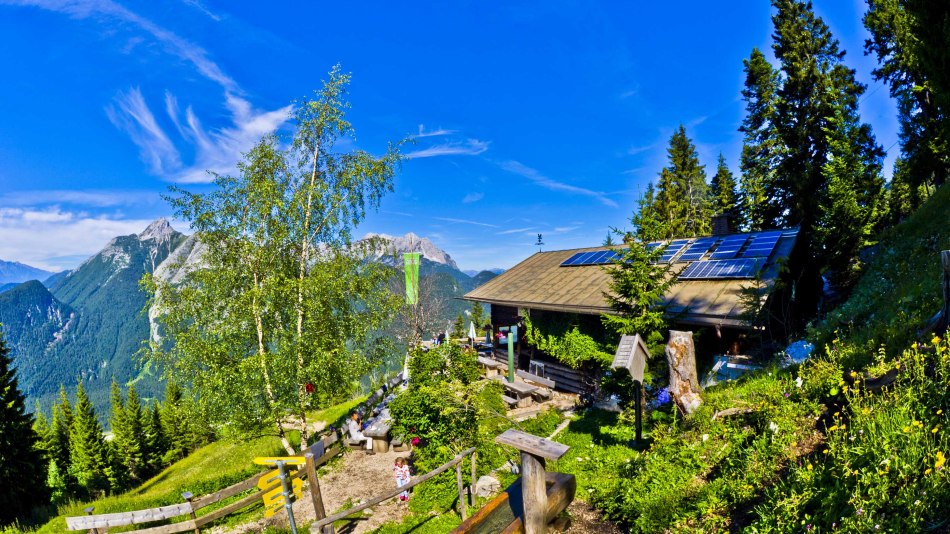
x=465, y=221
x=469, y=147
x=473, y=197
x=131, y=115
x=433, y=133
x=204, y=10
x=517, y=231
x=85, y=199
x=68, y=237
x=639, y=149
x=565, y=229
x=539, y=179
x=217, y=151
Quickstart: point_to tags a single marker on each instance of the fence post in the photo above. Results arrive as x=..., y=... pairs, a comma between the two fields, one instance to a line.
x=458, y=480
x=89, y=512
x=315, y=494
x=534, y=452
x=471, y=488
x=188, y=496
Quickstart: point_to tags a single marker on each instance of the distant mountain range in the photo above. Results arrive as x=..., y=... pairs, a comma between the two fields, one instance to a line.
x=12, y=272
x=88, y=323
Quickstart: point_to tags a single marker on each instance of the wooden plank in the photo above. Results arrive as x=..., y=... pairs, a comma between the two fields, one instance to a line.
x=502, y=513
x=520, y=388
x=534, y=493
x=315, y=528
x=461, y=487
x=233, y=507
x=531, y=444
x=510, y=401
x=535, y=378
x=184, y=526
x=89, y=522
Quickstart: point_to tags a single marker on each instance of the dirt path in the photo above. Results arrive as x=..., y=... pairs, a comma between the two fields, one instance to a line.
x=357, y=478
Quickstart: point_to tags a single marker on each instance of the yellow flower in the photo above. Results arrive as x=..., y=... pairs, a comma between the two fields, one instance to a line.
x=928, y=471
x=906, y=429
x=918, y=424
x=826, y=451
x=832, y=429
x=934, y=431
x=810, y=467
x=845, y=389
x=939, y=412
x=940, y=460
x=842, y=427
x=794, y=444
x=837, y=414
x=854, y=374
x=866, y=411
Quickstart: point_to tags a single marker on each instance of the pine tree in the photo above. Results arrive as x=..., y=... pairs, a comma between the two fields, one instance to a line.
x=60, y=428
x=128, y=435
x=478, y=316
x=761, y=145
x=88, y=454
x=722, y=191
x=679, y=205
x=458, y=327
x=646, y=219
x=156, y=444
x=21, y=461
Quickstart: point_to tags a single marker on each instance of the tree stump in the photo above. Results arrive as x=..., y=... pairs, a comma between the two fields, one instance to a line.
x=684, y=384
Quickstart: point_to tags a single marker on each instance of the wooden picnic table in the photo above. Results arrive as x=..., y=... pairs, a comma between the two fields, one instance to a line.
x=379, y=431
x=521, y=391
x=491, y=365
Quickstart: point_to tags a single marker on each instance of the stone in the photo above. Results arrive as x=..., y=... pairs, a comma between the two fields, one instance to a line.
x=487, y=486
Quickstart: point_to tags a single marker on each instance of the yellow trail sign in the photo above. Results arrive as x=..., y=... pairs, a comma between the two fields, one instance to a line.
x=271, y=479
x=272, y=460
x=274, y=499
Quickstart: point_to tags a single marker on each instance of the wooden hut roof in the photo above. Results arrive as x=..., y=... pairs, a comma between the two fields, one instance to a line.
x=541, y=282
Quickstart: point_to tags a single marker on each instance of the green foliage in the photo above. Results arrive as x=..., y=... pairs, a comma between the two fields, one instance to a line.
x=89, y=461
x=301, y=304
x=458, y=327
x=561, y=336
x=761, y=146
x=21, y=460
x=722, y=192
x=638, y=282
x=680, y=205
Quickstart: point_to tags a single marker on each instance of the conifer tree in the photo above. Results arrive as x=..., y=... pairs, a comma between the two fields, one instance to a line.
x=722, y=191
x=761, y=145
x=679, y=205
x=156, y=444
x=88, y=454
x=21, y=461
x=128, y=434
x=60, y=428
x=645, y=220
x=173, y=424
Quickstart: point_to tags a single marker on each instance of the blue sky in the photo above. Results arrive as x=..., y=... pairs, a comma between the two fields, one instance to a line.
x=531, y=118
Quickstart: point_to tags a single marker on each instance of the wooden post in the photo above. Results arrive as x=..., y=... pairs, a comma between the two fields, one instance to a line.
x=315, y=494
x=89, y=512
x=534, y=452
x=471, y=488
x=684, y=384
x=187, y=496
x=945, y=260
x=458, y=480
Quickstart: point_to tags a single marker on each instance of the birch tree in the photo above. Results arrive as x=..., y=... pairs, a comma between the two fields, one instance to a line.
x=283, y=297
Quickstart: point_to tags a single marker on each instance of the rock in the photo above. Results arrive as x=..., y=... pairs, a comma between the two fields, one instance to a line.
x=486, y=486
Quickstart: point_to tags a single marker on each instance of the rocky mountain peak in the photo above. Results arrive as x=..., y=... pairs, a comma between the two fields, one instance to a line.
x=159, y=230
x=413, y=243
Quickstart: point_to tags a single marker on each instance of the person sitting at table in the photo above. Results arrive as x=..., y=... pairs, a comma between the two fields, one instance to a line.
x=356, y=434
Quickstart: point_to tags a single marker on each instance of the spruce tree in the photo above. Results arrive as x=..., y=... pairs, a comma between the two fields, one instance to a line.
x=722, y=191
x=88, y=454
x=22, y=468
x=680, y=206
x=173, y=424
x=761, y=145
x=156, y=445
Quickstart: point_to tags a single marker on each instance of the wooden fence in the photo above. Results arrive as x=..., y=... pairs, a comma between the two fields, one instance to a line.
x=100, y=523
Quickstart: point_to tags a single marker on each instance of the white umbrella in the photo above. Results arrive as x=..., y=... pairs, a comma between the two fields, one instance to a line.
x=471, y=332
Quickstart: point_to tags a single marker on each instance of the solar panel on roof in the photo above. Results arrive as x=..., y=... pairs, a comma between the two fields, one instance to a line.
x=699, y=248
x=596, y=257
x=761, y=245
x=729, y=247
x=720, y=269
x=672, y=250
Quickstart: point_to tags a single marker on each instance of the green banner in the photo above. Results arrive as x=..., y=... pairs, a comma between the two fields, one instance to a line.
x=412, y=259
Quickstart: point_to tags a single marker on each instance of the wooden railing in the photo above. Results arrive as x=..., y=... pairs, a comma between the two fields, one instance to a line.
x=456, y=462
x=100, y=523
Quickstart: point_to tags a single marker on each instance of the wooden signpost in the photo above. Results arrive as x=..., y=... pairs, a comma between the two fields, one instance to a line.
x=632, y=355
x=534, y=452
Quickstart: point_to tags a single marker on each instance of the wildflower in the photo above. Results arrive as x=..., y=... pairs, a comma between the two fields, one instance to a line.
x=773, y=427
x=810, y=467
x=860, y=511
x=854, y=374
x=798, y=382
x=938, y=465
x=939, y=412
x=705, y=437
x=866, y=411
x=934, y=431
x=845, y=389
x=833, y=428
x=918, y=424
x=928, y=471
x=794, y=444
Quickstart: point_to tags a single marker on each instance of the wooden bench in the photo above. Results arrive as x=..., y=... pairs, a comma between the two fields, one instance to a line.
x=539, y=380
x=510, y=401
x=521, y=391
x=492, y=367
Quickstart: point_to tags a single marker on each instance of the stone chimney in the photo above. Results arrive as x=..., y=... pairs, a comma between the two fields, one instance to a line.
x=720, y=225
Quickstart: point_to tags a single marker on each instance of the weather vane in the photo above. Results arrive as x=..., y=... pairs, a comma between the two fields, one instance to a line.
x=539, y=243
